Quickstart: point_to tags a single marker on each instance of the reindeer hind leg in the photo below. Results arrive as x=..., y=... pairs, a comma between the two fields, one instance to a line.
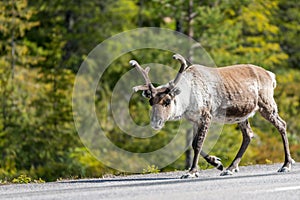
x=271, y=114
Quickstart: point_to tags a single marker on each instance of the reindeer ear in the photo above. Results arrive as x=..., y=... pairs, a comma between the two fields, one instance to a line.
x=175, y=91
x=146, y=93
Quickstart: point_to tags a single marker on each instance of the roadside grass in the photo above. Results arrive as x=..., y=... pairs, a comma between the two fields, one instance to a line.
x=151, y=169
x=21, y=179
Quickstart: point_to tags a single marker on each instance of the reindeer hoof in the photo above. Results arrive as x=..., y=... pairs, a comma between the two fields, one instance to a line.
x=284, y=169
x=230, y=172
x=226, y=173
x=190, y=175
x=217, y=163
x=287, y=166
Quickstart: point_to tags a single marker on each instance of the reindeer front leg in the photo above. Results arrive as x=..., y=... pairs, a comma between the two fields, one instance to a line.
x=200, y=132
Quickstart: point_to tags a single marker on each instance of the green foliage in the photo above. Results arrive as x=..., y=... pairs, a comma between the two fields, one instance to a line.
x=244, y=33
x=288, y=19
x=88, y=165
x=151, y=170
x=3, y=182
x=42, y=44
x=22, y=179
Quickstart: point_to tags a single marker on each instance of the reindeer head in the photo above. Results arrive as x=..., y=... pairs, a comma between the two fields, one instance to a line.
x=162, y=98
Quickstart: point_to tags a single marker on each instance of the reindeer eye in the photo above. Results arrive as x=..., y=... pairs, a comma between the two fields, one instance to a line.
x=167, y=102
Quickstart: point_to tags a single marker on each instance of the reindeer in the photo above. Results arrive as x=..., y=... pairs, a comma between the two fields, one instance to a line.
x=227, y=95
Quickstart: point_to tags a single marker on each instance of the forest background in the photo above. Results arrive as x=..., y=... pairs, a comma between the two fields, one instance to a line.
x=43, y=43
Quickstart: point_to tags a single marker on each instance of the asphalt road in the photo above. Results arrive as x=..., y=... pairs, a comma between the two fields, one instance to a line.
x=252, y=182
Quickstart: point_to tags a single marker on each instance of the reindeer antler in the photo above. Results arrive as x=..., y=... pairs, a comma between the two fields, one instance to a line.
x=183, y=67
x=144, y=72
x=149, y=86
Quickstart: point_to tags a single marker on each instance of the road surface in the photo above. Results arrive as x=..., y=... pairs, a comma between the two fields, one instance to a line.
x=252, y=182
